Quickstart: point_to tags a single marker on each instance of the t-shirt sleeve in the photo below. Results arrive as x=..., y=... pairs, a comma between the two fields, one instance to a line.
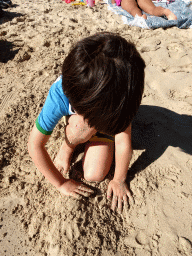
x=55, y=107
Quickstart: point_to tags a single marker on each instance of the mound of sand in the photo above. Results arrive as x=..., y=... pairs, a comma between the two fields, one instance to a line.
x=35, y=218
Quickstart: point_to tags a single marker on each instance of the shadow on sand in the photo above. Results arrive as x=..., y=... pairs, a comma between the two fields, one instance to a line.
x=6, y=16
x=155, y=129
x=6, y=52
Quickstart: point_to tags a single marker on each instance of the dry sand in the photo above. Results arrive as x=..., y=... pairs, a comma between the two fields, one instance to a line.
x=35, y=218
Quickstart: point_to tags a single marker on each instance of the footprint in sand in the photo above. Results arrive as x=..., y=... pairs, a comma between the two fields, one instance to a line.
x=140, y=240
x=6, y=101
x=186, y=245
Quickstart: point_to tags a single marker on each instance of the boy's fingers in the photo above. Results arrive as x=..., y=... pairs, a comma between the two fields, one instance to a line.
x=114, y=202
x=130, y=197
x=83, y=193
x=126, y=204
x=74, y=194
x=109, y=192
x=125, y=201
x=120, y=202
x=84, y=188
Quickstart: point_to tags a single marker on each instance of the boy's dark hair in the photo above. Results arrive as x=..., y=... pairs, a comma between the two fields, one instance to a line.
x=103, y=78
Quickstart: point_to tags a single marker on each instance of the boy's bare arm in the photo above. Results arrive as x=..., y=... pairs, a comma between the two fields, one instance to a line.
x=41, y=158
x=43, y=162
x=123, y=154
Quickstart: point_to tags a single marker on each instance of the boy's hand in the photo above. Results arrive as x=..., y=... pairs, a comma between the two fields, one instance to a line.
x=75, y=189
x=120, y=194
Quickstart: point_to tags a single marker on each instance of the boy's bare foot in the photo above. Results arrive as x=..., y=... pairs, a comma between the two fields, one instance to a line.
x=170, y=15
x=62, y=167
x=63, y=158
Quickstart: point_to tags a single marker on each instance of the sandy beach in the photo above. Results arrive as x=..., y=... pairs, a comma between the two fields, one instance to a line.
x=35, y=219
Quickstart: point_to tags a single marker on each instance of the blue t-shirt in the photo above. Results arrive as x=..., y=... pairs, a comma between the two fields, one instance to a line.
x=56, y=106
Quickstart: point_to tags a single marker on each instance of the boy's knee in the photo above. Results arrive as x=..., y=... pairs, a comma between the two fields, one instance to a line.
x=93, y=176
x=79, y=130
x=74, y=135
